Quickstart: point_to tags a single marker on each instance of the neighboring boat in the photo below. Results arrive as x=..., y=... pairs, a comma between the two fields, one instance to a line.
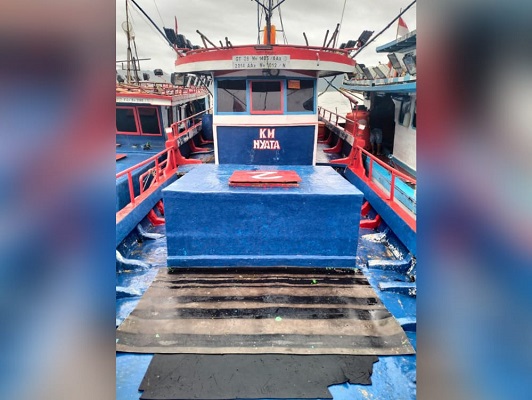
x=158, y=127
x=388, y=180
x=269, y=250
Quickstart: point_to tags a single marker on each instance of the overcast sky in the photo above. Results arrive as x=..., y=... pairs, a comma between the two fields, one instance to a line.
x=237, y=19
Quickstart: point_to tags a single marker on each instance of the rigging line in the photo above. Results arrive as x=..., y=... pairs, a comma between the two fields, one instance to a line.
x=385, y=28
x=154, y=24
x=160, y=16
x=282, y=26
x=337, y=37
x=258, y=24
x=341, y=20
x=330, y=83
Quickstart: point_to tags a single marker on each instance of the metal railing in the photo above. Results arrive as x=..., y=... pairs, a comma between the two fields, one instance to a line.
x=165, y=162
x=394, y=173
x=156, y=88
x=322, y=112
x=157, y=171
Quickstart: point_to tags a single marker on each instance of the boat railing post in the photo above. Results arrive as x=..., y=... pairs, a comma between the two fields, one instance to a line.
x=131, y=191
x=156, y=177
x=370, y=172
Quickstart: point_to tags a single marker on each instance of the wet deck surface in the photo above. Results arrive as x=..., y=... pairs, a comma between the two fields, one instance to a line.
x=394, y=377
x=253, y=311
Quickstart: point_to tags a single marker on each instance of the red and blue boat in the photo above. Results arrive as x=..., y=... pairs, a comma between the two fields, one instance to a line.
x=263, y=251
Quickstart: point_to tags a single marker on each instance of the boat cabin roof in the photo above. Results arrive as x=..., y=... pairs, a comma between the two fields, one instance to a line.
x=404, y=43
x=158, y=94
x=321, y=61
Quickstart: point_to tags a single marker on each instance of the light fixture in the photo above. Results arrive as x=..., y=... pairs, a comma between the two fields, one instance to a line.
x=177, y=79
x=395, y=63
x=360, y=71
x=379, y=73
x=367, y=73
x=410, y=62
x=364, y=37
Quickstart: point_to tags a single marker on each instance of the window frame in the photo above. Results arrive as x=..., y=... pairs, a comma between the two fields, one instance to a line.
x=158, y=121
x=314, y=97
x=138, y=124
x=135, y=117
x=281, y=110
x=246, y=111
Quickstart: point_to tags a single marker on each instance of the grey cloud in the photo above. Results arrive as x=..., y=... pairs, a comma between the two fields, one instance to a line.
x=237, y=19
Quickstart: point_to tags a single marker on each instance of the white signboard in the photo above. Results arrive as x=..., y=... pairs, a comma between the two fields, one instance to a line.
x=268, y=61
x=151, y=101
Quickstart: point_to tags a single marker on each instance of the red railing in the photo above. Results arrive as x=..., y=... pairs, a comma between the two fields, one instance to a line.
x=163, y=89
x=322, y=112
x=355, y=163
x=345, y=51
x=157, y=171
x=165, y=162
x=393, y=172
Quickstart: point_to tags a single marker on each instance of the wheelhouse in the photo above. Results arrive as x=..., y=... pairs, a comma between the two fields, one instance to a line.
x=265, y=100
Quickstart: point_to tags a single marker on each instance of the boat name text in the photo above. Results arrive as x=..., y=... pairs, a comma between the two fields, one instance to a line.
x=266, y=140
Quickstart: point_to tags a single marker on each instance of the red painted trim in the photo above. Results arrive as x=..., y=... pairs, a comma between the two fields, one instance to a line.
x=355, y=164
x=336, y=148
x=366, y=207
x=371, y=223
x=203, y=141
x=136, y=115
x=295, y=52
x=155, y=219
x=137, y=125
x=196, y=149
x=159, y=122
x=160, y=207
x=327, y=139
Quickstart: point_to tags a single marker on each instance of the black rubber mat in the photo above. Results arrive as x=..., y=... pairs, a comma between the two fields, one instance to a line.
x=251, y=376
x=262, y=311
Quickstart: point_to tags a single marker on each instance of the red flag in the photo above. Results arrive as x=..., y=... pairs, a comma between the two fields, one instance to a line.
x=402, y=29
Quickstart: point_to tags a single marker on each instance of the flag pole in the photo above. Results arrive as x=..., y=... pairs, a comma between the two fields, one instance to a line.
x=397, y=31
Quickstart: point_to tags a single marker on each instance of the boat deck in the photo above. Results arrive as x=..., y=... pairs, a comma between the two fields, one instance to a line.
x=132, y=158
x=393, y=377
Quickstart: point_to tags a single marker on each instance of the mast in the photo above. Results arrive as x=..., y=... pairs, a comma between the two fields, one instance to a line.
x=269, y=23
x=269, y=12
x=128, y=73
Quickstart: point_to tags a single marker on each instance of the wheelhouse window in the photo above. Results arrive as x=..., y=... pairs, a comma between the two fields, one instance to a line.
x=126, y=121
x=300, y=95
x=266, y=97
x=231, y=96
x=149, y=120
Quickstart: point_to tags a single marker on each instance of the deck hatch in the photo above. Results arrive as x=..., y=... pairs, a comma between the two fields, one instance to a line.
x=263, y=178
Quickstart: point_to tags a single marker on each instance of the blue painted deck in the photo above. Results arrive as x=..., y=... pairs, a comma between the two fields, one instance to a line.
x=394, y=377
x=132, y=158
x=210, y=223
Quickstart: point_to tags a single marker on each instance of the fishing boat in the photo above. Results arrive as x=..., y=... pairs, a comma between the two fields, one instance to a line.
x=258, y=266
